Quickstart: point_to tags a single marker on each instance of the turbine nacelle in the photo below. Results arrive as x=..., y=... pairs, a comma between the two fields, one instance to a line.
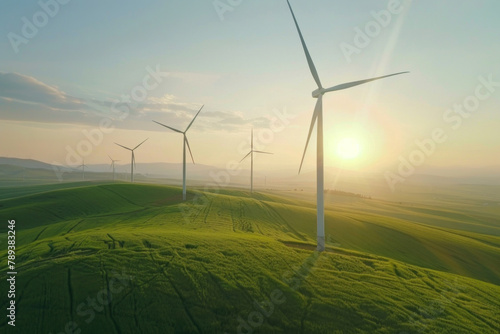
x=318, y=92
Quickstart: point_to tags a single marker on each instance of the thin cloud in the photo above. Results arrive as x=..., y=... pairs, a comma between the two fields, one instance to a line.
x=24, y=98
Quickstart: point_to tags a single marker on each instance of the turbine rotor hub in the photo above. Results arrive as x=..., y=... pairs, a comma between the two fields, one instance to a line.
x=318, y=92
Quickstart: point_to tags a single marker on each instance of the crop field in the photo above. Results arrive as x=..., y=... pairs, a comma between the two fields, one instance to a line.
x=133, y=258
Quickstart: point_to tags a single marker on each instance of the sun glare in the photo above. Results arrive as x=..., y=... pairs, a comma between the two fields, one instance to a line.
x=348, y=148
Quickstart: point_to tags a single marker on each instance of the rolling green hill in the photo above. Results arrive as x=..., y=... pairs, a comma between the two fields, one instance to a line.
x=122, y=258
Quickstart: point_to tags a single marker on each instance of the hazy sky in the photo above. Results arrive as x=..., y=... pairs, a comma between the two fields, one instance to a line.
x=68, y=73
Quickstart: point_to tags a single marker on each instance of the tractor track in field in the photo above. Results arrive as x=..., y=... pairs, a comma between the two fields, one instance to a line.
x=21, y=293
x=184, y=305
x=112, y=244
x=213, y=277
x=403, y=283
x=119, y=213
x=240, y=223
x=153, y=217
x=208, y=211
x=134, y=302
x=231, y=213
x=478, y=317
x=120, y=195
x=104, y=275
x=456, y=291
x=70, y=294
x=278, y=217
x=39, y=234
x=51, y=259
x=149, y=246
x=110, y=304
x=304, y=316
x=71, y=229
x=44, y=304
x=199, y=212
x=135, y=286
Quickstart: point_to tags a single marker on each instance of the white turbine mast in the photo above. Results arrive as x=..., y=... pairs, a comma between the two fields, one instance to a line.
x=318, y=116
x=83, y=169
x=185, y=143
x=132, y=162
x=252, y=151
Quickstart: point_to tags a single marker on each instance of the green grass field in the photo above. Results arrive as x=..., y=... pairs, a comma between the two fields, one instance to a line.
x=122, y=258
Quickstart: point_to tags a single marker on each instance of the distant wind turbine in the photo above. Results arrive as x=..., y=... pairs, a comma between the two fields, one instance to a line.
x=83, y=169
x=113, y=166
x=318, y=115
x=132, y=163
x=252, y=151
x=186, y=143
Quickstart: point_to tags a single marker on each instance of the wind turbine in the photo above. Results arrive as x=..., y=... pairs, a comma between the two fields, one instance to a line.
x=132, y=163
x=252, y=151
x=186, y=143
x=318, y=115
x=83, y=169
x=113, y=166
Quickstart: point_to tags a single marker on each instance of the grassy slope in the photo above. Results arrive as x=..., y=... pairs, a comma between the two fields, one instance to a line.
x=198, y=267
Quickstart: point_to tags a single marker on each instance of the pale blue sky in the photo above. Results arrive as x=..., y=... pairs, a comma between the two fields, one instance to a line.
x=245, y=66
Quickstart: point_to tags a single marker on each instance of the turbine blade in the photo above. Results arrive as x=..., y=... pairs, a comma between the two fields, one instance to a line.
x=263, y=152
x=317, y=110
x=124, y=147
x=360, y=82
x=168, y=127
x=140, y=144
x=246, y=156
x=189, y=148
x=194, y=118
x=306, y=51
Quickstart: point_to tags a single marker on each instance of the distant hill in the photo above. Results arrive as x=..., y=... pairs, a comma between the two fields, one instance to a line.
x=371, y=184
x=26, y=163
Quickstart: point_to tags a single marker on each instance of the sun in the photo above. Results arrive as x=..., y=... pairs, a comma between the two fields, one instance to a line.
x=348, y=148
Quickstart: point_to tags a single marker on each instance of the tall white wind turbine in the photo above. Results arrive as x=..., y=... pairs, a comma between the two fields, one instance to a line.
x=252, y=151
x=186, y=143
x=318, y=116
x=113, y=165
x=132, y=162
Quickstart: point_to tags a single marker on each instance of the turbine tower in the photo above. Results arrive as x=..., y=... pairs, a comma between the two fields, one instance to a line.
x=252, y=151
x=83, y=169
x=132, y=163
x=186, y=143
x=318, y=116
x=113, y=166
